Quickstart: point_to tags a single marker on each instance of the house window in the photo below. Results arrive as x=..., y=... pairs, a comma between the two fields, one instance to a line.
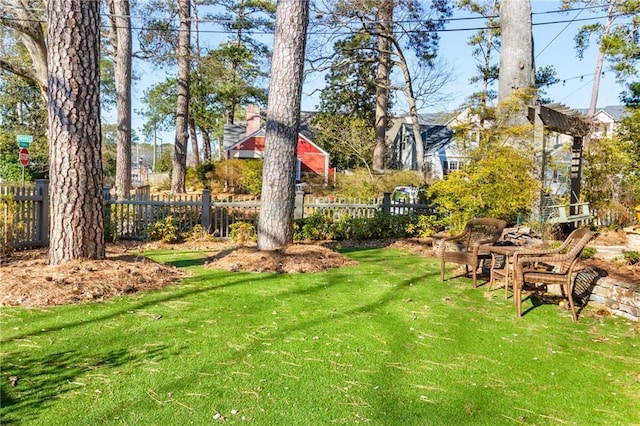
x=473, y=137
x=449, y=166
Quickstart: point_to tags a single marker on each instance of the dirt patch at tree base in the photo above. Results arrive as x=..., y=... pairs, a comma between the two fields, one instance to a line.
x=27, y=280
x=295, y=258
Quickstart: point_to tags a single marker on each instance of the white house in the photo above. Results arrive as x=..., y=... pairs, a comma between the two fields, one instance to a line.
x=442, y=154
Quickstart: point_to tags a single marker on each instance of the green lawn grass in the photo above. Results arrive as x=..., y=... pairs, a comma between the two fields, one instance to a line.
x=384, y=342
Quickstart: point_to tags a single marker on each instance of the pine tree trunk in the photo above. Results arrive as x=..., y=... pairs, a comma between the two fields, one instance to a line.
x=194, y=142
x=385, y=22
x=182, y=108
x=516, y=51
x=77, y=223
x=121, y=41
x=597, y=75
x=275, y=227
x=206, y=145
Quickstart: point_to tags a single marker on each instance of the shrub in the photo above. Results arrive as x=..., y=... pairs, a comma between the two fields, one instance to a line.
x=632, y=257
x=497, y=184
x=164, y=163
x=240, y=175
x=313, y=227
x=198, y=233
x=319, y=226
x=242, y=232
x=588, y=253
x=111, y=222
x=12, y=172
x=9, y=227
x=424, y=226
x=166, y=230
x=252, y=176
x=205, y=173
x=339, y=229
x=390, y=180
x=360, y=183
x=356, y=184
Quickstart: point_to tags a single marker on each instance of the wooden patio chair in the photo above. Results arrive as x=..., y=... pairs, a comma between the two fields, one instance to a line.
x=557, y=266
x=471, y=246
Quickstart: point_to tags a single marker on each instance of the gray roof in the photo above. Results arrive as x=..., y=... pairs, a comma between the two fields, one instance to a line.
x=305, y=124
x=433, y=118
x=615, y=111
x=233, y=133
x=434, y=137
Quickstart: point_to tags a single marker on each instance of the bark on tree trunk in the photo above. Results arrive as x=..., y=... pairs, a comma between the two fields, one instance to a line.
x=593, y=104
x=206, y=145
x=385, y=22
x=275, y=227
x=516, y=58
x=194, y=142
x=600, y=62
x=30, y=32
x=413, y=109
x=182, y=108
x=121, y=41
x=488, y=52
x=76, y=227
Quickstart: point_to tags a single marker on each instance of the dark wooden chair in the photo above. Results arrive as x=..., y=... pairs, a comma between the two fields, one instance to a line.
x=557, y=266
x=471, y=246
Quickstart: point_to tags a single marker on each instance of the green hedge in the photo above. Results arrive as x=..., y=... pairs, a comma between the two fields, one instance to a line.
x=319, y=226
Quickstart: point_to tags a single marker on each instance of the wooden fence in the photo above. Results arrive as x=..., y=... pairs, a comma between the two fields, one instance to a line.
x=132, y=218
x=25, y=214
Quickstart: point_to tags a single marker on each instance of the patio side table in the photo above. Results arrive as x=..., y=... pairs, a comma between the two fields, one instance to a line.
x=503, y=270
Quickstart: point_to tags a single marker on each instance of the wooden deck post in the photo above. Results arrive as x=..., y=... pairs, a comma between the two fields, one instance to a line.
x=575, y=174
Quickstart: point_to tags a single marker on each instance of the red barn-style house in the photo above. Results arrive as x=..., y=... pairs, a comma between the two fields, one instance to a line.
x=311, y=158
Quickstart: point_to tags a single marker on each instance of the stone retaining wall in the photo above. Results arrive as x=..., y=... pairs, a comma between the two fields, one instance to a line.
x=621, y=298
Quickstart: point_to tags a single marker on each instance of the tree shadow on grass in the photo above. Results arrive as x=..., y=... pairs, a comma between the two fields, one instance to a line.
x=583, y=286
x=161, y=296
x=30, y=382
x=196, y=258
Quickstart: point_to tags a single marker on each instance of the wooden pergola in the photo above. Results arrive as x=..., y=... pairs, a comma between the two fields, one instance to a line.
x=561, y=119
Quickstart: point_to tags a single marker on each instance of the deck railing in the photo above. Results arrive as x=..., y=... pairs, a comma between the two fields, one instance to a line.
x=577, y=213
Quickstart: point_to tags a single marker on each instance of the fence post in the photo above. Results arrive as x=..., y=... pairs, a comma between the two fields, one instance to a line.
x=386, y=203
x=106, y=198
x=42, y=213
x=206, y=210
x=298, y=211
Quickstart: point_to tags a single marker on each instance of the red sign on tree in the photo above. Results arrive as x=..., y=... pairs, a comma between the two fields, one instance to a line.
x=24, y=156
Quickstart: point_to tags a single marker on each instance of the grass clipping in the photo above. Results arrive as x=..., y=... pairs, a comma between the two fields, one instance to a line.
x=290, y=259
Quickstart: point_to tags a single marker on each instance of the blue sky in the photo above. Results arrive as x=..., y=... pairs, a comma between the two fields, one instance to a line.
x=553, y=45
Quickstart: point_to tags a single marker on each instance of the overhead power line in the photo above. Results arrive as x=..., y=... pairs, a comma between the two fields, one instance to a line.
x=441, y=21
x=558, y=35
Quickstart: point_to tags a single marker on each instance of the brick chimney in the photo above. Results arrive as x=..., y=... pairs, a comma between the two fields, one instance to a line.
x=253, y=119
